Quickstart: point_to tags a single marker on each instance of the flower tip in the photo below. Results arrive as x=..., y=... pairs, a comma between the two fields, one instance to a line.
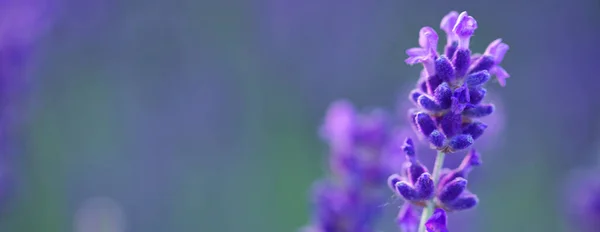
x=428, y=38
x=449, y=21
x=465, y=25
x=474, y=158
x=409, y=147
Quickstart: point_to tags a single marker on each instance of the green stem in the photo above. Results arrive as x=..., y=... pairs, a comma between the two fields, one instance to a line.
x=428, y=210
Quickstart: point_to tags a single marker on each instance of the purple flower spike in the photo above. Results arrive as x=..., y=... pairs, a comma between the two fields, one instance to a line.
x=461, y=61
x=426, y=54
x=436, y=138
x=497, y=50
x=407, y=219
x=425, y=187
x=475, y=129
x=464, y=29
x=479, y=111
x=451, y=124
x=443, y=95
x=460, y=142
x=444, y=69
x=464, y=202
x=425, y=124
x=478, y=78
x=437, y=222
x=452, y=190
x=428, y=104
x=476, y=95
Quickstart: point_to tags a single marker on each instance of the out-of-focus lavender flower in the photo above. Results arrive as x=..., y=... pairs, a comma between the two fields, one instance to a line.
x=21, y=23
x=360, y=147
x=450, y=92
x=583, y=200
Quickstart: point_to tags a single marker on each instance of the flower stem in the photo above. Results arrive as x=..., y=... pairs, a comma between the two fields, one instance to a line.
x=428, y=210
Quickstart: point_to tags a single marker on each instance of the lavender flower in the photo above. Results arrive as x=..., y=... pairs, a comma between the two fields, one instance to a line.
x=449, y=101
x=359, y=146
x=450, y=104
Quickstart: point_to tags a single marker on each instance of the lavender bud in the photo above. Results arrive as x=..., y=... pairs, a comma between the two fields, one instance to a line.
x=407, y=191
x=475, y=129
x=424, y=123
x=437, y=221
x=424, y=186
x=414, y=171
x=478, y=78
x=444, y=69
x=442, y=95
x=464, y=202
x=436, y=138
x=486, y=62
x=479, y=111
x=428, y=104
x=409, y=147
x=432, y=83
x=476, y=95
x=460, y=142
x=451, y=124
x=414, y=96
x=462, y=94
x=461, y=61
x=452, y=190
x=393, y=180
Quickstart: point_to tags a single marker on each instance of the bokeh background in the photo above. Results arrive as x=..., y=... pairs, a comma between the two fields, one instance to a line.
x=189, y=115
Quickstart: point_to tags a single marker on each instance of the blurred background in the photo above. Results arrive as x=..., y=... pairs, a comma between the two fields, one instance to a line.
x=190, y=115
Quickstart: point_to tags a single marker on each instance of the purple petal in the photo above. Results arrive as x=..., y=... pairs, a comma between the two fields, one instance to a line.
x=437, y=222
x=501, y=74
x=497, y=49
x=464, y=29
x=428, y=39
x=447, y=25
x=407, y=219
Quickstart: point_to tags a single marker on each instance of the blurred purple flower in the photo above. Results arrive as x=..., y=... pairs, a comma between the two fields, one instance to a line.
x=21, y=23
x=583, y=200
x=361, y=148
